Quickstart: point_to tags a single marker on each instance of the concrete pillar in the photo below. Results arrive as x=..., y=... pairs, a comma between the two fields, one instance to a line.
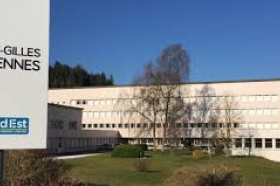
x=273, y=143
x=253, y=143
x=263, y=143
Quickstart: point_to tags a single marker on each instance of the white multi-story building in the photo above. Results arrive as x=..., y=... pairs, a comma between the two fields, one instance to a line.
x=256, y=102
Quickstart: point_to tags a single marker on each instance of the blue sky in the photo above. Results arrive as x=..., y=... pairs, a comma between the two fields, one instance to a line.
x=226, y=40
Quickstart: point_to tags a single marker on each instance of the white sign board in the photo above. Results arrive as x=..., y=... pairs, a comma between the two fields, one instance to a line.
x=24, y=50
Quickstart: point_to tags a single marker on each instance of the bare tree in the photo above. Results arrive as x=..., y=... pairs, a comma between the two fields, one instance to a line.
x=229, y=117
x=159, y=88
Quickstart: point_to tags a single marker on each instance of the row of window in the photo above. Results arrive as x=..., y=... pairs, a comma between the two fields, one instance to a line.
x=59, y=124
x=129, y=101
x=257, y=142
x=184, y=125
x=244, y=112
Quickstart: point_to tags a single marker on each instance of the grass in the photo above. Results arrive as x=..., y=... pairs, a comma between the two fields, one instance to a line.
x=120, y=172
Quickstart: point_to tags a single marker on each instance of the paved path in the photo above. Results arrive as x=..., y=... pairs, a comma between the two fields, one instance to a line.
x=76, y=156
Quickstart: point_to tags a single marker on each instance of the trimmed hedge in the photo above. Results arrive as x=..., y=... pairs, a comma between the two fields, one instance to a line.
x=128, y=151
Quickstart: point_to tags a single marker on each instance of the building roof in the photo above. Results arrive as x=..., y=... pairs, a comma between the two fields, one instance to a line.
x=65, y=106
x=206, y=82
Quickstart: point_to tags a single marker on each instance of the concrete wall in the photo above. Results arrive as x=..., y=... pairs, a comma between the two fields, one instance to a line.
x=64, y=137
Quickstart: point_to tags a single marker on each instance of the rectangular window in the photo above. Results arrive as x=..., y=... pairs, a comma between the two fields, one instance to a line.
x=238, y=142
x=89, y=126
x=107, y=125
x=113, y=125
x=214, y=125
x=83, y=126
x=244, y=98
x=96, y=102
x=259, y=99
x=120, y=126
x=95, y=126
x=274, y=98
x=158, y=125
x=236, y=125
x=132, y=125
x=268, y=143
x=277, y=143
x=252, y=98
x=101, y=125
x=72, y=126
x=267, y=98
x=248, y=142
x=258, y=143
x=125, y=125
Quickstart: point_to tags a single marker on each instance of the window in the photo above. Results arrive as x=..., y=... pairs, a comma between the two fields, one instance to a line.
x=220, y=125
x=120, y=126
x=259, y=126
x=72, y=126
x=277, y=143
x=185, y=125
x=206, y=125
x=244, y=98
x=259, y=112
x=101, y=125
x=83, y=126
x=95, y=126
x=274, y=98
x=259, y=98
x=274, y=112
x=258, y=143
x=252, y=98
x=238, y=143
x=107, y=125
x=248, y=142
x=84, y=102
x=102, y=114
x=236, y=125
x=113, y=125
x=132, y=125
x=158, y=125
x=267, y=98
x=192, y=125
x=274, y=126
x=214, y=125
x=138, y=125
x=96, y=102
x=268, y=143
x=125, y=125
x=96, y=114
x=89, y=126
x=78, y=102
x=252, y=125
x=178, y=125
x=252, y=112
x=199, y=125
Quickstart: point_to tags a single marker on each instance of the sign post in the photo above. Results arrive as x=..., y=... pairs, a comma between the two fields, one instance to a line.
x=24, y=56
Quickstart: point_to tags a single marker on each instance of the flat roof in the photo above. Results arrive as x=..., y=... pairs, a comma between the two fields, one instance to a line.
x=205, y=82
x=65, y=106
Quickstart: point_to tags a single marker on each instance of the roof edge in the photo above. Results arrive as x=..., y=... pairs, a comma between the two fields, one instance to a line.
x=185, y=83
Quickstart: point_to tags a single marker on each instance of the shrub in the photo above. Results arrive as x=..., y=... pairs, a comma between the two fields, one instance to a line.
x=32, y=168
x=141, y=165
x=198, y=154
x=127, y=151
x=217, y=176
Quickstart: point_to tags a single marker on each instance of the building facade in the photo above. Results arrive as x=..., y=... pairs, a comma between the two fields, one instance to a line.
x=65, y=134
x=256, y=103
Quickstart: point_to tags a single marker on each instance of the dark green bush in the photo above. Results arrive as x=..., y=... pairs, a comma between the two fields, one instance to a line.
x=128, y=151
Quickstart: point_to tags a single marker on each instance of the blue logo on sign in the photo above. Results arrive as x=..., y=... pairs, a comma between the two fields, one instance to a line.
x=14, y=126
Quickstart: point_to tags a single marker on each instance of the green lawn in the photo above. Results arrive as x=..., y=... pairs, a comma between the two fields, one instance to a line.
x=120, y=172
